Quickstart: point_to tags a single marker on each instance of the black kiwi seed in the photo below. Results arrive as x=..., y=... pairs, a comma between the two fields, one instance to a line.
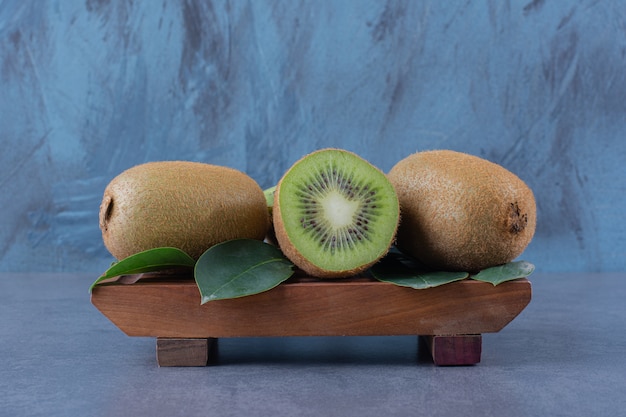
x=328, y=203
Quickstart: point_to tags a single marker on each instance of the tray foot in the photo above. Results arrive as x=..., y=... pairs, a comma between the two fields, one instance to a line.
x=454, y=350
x=184, y=352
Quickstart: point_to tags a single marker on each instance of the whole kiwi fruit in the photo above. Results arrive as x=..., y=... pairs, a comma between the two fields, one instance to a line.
x=187, y=205
x=461, y=212
x=335, y=214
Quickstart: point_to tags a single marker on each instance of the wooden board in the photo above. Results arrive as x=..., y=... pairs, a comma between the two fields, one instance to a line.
x=170, y=308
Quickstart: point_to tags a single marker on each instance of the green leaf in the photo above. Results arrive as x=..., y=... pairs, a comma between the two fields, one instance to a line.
x=397, y=269
x=269, y=196
x=507, y=272
x=147, y=261
x=240, y=267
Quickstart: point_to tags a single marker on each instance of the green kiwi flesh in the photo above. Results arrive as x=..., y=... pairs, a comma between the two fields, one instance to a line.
x=335, y=214
x=461, y=212
x=187, y=205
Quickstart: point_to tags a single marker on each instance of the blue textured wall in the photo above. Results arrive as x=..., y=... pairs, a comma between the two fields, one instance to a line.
x=90, y=88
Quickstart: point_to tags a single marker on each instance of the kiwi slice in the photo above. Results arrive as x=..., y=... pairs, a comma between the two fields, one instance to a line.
x=335, y=214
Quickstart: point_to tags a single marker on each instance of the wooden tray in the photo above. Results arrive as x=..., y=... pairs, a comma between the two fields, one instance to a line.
x=450, y=318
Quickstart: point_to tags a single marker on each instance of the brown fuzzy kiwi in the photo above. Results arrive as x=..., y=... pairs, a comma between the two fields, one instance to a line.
x=461, y=212
x=188, y=205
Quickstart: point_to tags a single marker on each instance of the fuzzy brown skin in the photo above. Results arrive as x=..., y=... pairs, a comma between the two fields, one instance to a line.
x=461, y=212
x=188, y=205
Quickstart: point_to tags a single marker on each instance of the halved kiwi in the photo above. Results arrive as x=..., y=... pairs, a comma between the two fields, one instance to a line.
x=335, y=214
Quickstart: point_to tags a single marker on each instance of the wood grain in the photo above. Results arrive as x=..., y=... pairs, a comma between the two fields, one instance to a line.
x=304, y=307
x=183, y=352
x=455, y=350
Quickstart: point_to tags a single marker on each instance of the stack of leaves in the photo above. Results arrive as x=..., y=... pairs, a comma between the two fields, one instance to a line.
x=243, y=267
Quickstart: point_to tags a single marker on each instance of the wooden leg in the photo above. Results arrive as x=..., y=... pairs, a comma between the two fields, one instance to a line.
x=452, y=350
x=455, y=350
x=183, y=352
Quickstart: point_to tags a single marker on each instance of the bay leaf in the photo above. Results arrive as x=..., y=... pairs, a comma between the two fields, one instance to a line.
x=239, y=268
x=498, y=274
x=150, y=260
x=269, y=196
x=400, y=270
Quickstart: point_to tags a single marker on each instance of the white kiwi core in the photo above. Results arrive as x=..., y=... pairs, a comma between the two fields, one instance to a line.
x=338, y=210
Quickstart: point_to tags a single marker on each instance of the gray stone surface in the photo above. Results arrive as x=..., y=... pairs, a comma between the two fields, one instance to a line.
x=564, y=355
